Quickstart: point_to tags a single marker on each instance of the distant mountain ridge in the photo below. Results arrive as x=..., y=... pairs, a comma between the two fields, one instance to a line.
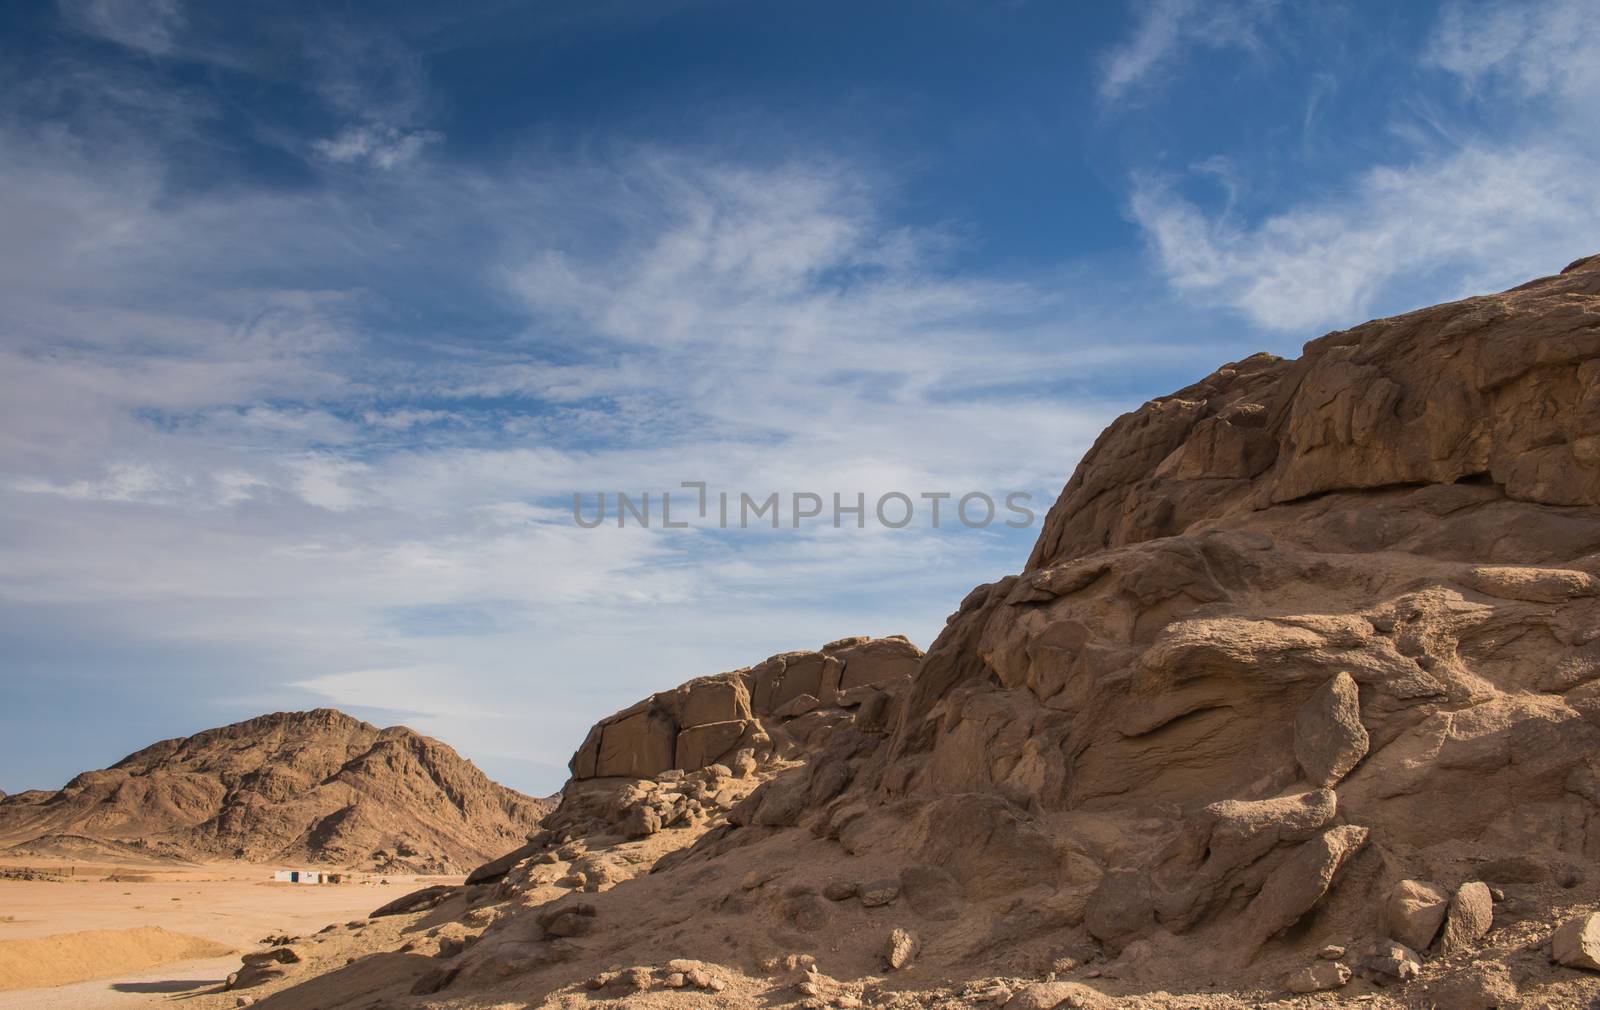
x=318, y=786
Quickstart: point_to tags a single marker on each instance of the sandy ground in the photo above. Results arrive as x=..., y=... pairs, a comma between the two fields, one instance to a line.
x=233, y=904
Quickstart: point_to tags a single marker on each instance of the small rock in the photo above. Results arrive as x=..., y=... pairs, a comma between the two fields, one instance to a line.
x=755, y=878
x=845, y=1001
x=840, y=890
x=1319, y=977
x=880, y=892
x=1389, y=962
x=790, y=962
x=245, y=1001
x=675, y=980
x=698, y=977
x=1576, y=942
x=635, y=980
x=601, y=980
x=900, y=949
x=744, y=763
x=569, y=924
x=1332, y=952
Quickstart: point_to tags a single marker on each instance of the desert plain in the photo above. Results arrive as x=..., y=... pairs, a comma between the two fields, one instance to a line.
x=85, y=936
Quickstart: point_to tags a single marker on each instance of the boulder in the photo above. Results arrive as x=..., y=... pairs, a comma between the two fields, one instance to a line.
x=877, y=661
x=638, y=745
x=722, y=698
x=703, y=745
x=743, y=764
x=1576, y=942
x=641, y=822
x=1469, y=918
x=494, y=869
x=416, y=901
x=1328, y=736
x=1413, y=912
x=1300, y=882
x=801, y=673
x=263, y=966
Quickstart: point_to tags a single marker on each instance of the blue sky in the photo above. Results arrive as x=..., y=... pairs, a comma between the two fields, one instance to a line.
x=313, y=319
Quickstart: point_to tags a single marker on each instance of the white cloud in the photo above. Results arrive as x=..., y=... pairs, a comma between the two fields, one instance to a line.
x=1164, y=32
x=1479, y=210
x=1536, y=50
x=150, y=26
x=1481, y=217
x=379, y=145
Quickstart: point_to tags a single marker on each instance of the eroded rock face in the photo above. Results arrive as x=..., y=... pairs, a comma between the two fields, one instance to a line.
x=711, y=718
x=1369, y=572
x=1500, y=388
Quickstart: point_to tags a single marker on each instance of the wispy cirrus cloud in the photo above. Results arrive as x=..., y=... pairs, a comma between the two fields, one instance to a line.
x=1459, y=207
x=150, y=26
x=1165, y=32
x=1526, y=51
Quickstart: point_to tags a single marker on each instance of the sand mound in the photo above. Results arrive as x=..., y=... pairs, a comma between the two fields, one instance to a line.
x=96, y=953
x=314, y=786
x=1299, y=691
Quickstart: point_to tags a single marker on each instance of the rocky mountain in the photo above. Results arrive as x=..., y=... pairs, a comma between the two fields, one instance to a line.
x=315, y=786
x=1298, y=692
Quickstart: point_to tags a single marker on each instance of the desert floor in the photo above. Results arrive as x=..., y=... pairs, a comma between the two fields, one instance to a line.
x=232, y=904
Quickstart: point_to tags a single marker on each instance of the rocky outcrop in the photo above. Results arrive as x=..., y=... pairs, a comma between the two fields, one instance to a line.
x=315, y=786
x=711, y=718
x=692, y=755
x=1497, y=389
x=1371, y=569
